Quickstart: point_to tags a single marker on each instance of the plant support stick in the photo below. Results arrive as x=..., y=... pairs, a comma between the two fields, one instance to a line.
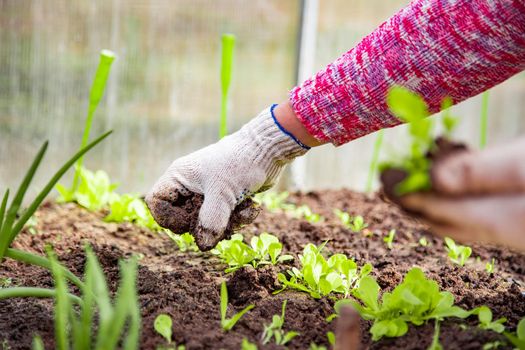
x=97, y=90
x=228, y=43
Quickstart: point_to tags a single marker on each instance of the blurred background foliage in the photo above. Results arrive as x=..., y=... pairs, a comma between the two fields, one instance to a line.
x=163, y=94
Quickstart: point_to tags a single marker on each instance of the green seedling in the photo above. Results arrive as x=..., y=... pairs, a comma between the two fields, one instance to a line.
x=228, y=44
x=517, y=339
x=423, y=242
x=97, y=90
x=354, y=223
x=484, y=119
x=303, y=211
x=5, y=282
x=185, y=242
x=331, y=337
x=247, y=345
x=375, y=159
x=314, y=346
x=163, y=325
x=38, y=344
x=31, y=225
x=492, y=345
x=228, y=323
x=415, y=300
x=275, y=330
x=458, y=254
x=411, y=108
x=274, y=201
x=485, y=320
x=489, y=267
x=263, y=250
x=131, y=208
x=320, y=277
x=11, y=224
x=389, y=239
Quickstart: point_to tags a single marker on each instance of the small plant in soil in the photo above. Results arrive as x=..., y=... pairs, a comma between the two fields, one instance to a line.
x=185, y=242
x=228, y=323
x=275, y=330
x=486, y=322
x=163, y=325
x=518, y=339
x=389, y=239
x=274, y=201
x=263, y=250
x=415, y=300
x=489, y=267
x=354, y=223
x=423, y=242
x=320, y=277
x=458, y=254
x=131, y=208
x=304, y=211
x=247, y=345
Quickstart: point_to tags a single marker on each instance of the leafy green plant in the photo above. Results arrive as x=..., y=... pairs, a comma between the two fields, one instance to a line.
x=228, y=323
x=389, y=239
x=458, y=254
x=517, y=339
x=274, y=201
x=163, y=325
x=275, y=330
x=485, y=320
x=354, y=223
x=228, y=44
x=415, y=300
x=185, y=242
x=411, y=108
x=97, y=90
x=375, y=159
x=319, y=276
x=131, y=208
x=263, y=250
x=489, y=267
x=247, y=345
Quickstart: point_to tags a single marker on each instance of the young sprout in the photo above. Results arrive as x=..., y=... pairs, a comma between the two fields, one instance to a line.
x=489, y=267
x=185, y=242
x=485, y=320
x=228, y=44
x=274, y=330
x=389, y=239
x=354, y=223
x=247, y=345
x=314, y=346
x=305, y=212
x=458, y=254
x=228, y=323
x=274, y=201
x=423, y=242
x=163, y=325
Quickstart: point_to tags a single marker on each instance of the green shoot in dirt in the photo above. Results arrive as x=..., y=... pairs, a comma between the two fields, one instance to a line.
x=304, y=211
x=275, y=330
x=97, y=90
x=263, y=250
x=274, y=201
x=354, y=223
x=389, y=239
x=185, y=242
x=489, y=267
x=314, y=346
x=163, y=325
x=484, y=119
x=423, y=242
x=11, y=224
x=518, y=339
x=415, y=300
x=247, y=345
x=458, y=254
x=485, y=320
x=131, y=208
x=411, y=108
x=435, y=345
x=319, y=276
x=228, y=44
x=228, y=323
x=375, y=159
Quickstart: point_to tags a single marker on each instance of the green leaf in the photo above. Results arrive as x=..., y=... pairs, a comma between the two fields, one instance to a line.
x=224, y=301
x=368, y=292
x=163, y=325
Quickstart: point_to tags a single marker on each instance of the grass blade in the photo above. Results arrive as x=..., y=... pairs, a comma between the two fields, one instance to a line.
x=5, y=234
x=224, y=301
x=484, y=118
x=374, y=161
x=232, y=321
x=2, y=208
x=33, y=292
x=62, y=304
x=42, y=195
x=228, y=44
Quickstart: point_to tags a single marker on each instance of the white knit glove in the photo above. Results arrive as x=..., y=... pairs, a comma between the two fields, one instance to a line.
x=227, y=172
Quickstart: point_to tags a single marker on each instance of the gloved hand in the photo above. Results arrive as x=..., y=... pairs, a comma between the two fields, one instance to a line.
x=239, y=165
x=480, y=196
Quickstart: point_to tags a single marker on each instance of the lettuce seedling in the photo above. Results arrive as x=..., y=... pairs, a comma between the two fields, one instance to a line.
x=263, y=250
x=319, y=276
x=485, y=320
x=489, y=267
x=131, y=208
x=185, y=242
x=275, y=330
x=415, y=300
x=458, y=254
x=228, y=323
x=247, y=345
x=304, y=211
x=354, y=223
x=274, y=201
x=518, y=339
x=163, y=325
x=423, y=242
x=389, y=239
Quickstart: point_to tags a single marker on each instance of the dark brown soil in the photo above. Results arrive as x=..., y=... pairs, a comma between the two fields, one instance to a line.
x=186, y=285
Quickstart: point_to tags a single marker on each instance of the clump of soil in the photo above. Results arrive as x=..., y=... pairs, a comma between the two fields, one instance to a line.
x=179, y=212
x=186, y=285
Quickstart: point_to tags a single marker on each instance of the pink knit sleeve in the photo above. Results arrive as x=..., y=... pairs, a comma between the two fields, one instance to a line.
x=438, y=48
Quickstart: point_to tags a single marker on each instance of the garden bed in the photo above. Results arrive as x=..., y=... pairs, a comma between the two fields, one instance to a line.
x=186, y=285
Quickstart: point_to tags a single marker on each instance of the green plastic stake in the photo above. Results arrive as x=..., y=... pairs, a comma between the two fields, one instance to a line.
x=97, y=90
x=375, y=159
x=228, y=44
x=483, y=125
